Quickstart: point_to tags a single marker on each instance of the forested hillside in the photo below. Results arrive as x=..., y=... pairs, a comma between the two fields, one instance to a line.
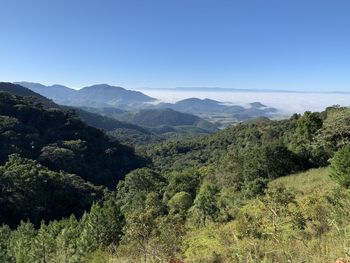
x=134, y=128
x=18, y=90
x=115, y=127
x=261, y=191
x=61, y=141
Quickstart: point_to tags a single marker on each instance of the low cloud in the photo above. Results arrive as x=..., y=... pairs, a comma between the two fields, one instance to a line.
x=286, y=103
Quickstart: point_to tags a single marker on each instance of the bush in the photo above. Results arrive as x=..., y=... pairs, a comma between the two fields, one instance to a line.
x=340, y=167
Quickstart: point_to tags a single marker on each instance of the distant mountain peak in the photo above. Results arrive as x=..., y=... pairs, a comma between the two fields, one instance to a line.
x=98, y=95
x=257, y=104
x=103, y=86
x=197, y=100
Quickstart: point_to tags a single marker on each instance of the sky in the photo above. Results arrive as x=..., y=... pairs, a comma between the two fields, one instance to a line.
x=253, y=44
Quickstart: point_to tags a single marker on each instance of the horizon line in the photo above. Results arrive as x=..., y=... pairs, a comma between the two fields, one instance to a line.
x=199, y=88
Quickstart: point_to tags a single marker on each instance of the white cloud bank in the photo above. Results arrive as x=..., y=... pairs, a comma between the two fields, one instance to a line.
x=286, y=103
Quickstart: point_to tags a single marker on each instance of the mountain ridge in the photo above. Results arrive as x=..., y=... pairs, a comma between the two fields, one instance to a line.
x=93, y=119
x=98, y=95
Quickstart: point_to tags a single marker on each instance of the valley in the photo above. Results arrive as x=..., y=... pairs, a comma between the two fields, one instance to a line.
x=259, y=190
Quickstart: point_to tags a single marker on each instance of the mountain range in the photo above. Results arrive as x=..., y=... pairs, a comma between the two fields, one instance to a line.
x=129, y=127
x=221, y=113
x=130, y=106
x=101, y=95
x=92, y=119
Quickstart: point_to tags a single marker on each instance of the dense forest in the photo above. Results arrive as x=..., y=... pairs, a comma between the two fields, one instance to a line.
x=260, y=191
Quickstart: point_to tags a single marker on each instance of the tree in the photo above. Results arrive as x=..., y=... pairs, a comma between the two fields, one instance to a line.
x=5, y=235
x=180, y=203
x=334, y=134
x=21, y=243
x=307, y=127
x=102, y=226
x=340, y=166
x=67, y=240
x=205, y=205
x=166, y=239
x=184, y=181
x=132, y=192
x=269, y=162
x=44, y=244
x=139, y=229
x=29, y=190
x=60, y=140
x=57, y=158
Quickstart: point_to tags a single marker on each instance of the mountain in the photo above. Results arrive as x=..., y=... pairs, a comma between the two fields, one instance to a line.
x=101, y=95
x=219, y=112
x=156, y=117
x=18, y=90
x=126, y=126
x=208, y=106
x=93, y=119
x=113, y=99
x=103, y=122
x=59, y=140
x=257, y=104
x=107, y=95
x=195, y=106
x=167, y=117
x=58, y=93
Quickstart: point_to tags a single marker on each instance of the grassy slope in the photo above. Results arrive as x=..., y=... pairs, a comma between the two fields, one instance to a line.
x=205, y=244
x=306, y=183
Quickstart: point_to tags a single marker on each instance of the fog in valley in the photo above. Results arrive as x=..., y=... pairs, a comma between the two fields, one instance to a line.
x=286, y=102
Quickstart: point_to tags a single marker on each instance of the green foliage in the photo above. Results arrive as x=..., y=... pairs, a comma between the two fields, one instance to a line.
x=139, y=229
x=167, y=117
x=340, y=166
x=132, y=192
x=135, y=137
x=205, y=205
x=252, y=167
x=67, y=240
x=334, y=134
x=21, y=243
x=102, y=226
x=34, y=97
x=31, y=191
x=180, y=202
x=61, y=141
x=5, y=236
x=307, y=127
x=149, y=235
x=167, y=238
x=305, y=183
x=184, y=181
x=226, y=197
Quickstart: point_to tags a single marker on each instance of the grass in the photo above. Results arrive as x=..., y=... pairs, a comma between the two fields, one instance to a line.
x=308, y=182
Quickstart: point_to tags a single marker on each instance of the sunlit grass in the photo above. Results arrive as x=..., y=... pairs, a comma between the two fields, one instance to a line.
x=305, y=183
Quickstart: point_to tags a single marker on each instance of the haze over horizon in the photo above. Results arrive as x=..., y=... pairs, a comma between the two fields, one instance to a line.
x=192, y=88
x=297, y=45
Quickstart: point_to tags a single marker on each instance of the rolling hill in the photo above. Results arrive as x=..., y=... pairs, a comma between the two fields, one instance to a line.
x=216, y=111
x=154, y=118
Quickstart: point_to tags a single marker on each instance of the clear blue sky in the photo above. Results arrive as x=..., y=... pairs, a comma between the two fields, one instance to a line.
x=278, y=44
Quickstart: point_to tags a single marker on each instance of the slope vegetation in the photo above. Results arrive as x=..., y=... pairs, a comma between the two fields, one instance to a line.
x=93, y=119
x=61, y=141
